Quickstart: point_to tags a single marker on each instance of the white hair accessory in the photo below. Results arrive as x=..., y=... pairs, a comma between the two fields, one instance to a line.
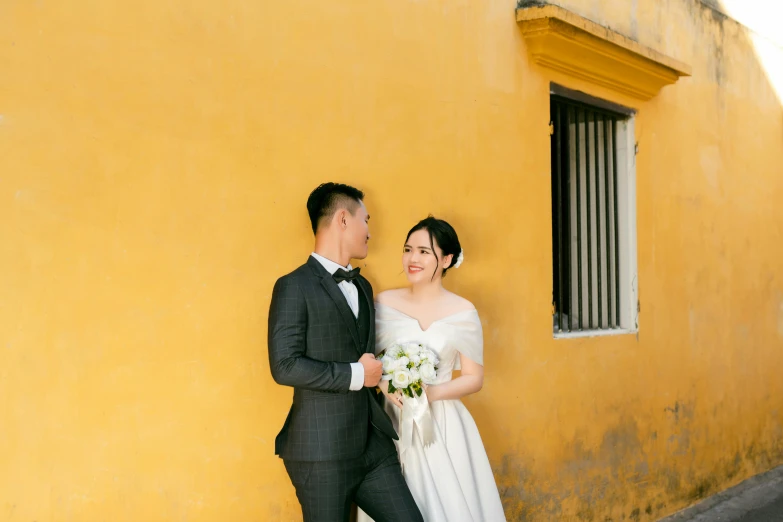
x=460, y=259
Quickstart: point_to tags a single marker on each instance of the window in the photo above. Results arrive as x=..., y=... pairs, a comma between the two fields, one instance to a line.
x=593, y=216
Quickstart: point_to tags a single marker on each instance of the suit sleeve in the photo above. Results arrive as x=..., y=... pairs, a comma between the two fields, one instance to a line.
x=287, y=360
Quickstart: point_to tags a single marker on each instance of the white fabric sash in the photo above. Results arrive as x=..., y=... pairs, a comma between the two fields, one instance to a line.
x=416, y=413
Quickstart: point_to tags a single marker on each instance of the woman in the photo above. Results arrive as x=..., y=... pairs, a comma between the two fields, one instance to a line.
x=450, y=479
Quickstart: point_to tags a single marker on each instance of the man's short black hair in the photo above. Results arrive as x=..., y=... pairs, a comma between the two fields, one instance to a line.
x=328, y=198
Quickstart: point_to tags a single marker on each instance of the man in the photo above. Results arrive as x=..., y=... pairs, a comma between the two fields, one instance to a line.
x=336, y=443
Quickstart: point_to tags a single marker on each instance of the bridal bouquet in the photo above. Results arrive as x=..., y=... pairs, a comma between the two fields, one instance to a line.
x=409, y=365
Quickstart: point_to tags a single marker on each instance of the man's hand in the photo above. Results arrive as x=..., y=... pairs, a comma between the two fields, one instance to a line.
x=373, y=370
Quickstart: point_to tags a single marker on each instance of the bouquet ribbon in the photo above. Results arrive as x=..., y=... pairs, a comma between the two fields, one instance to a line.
x=416, y=412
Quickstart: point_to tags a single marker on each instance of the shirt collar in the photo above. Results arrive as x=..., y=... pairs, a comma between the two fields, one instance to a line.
x=330, y=265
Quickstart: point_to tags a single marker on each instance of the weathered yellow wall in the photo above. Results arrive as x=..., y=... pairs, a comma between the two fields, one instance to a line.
x=154, y=162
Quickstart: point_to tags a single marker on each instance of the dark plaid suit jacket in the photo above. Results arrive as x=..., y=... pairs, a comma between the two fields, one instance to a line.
x=313, y=338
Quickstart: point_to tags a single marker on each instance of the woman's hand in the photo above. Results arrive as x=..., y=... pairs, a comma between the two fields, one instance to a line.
x=395, y=398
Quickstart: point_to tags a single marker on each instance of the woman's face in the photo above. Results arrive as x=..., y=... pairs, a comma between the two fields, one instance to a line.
x=422, y=259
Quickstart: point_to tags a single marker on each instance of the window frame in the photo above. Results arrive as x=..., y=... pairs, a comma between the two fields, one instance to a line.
x=628, y=302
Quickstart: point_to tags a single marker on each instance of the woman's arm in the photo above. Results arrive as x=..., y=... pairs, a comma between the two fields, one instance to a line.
x=471, y=381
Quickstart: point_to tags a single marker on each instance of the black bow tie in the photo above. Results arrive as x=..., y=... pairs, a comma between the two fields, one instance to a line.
x=341, y=275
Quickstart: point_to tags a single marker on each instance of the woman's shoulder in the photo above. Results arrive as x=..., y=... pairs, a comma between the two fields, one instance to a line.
x=457, y=304
x=391, y=296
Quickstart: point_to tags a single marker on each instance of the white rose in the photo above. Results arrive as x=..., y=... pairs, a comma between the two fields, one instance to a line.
x=403, y=362
x=395, y=351
x=388, y=364
x=415, y=359
x=412, y=349
x=415, y=375
x=401, y=378
x=427, y=372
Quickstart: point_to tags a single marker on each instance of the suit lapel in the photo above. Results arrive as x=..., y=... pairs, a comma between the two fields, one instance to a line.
x=364, y=293
x=342, y=305
x=346, y=314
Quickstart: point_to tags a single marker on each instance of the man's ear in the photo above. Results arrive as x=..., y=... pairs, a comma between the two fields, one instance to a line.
x=341, y=218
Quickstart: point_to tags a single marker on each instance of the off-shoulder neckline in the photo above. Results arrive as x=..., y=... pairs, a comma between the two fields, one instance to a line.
x=440, y=320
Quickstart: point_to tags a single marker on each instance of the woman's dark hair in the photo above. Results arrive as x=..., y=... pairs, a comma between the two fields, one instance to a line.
x=444, y=235
x=328, y=198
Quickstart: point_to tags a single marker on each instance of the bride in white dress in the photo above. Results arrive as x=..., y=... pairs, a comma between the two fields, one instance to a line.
x=450, y=479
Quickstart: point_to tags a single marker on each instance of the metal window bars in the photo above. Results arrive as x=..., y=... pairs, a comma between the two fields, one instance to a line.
x=585, y=253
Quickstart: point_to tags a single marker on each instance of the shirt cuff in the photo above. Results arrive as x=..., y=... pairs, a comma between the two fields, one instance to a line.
x=357, y=376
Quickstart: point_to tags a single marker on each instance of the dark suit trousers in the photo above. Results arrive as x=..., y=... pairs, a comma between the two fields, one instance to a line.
x=374, y=481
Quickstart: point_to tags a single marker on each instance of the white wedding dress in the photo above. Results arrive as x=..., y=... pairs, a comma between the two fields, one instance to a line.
x=451, y=479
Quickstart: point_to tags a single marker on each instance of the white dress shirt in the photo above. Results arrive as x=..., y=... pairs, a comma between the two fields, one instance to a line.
x=351, y=294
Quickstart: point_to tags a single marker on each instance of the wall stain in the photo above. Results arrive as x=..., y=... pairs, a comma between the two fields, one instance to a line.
x=680, y=411
x=524, y=497
x=590, y=474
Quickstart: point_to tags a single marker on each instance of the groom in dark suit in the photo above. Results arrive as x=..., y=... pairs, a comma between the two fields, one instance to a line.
x=336, y=443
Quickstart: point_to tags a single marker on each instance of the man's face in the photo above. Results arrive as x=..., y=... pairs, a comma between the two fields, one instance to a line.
x=357, y=232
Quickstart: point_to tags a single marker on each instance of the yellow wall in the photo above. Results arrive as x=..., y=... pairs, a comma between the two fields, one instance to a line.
x=154, y=162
